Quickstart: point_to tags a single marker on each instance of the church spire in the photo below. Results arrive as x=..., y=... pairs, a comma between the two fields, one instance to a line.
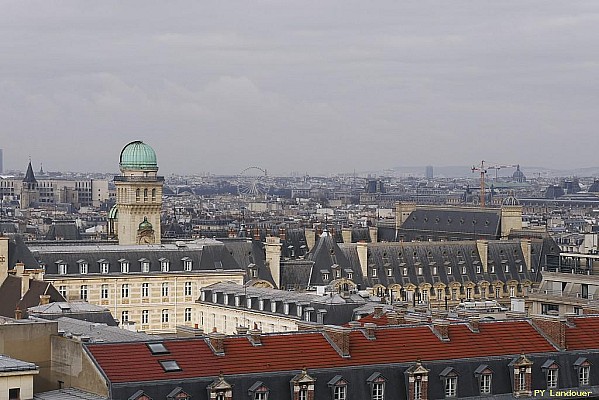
x=29, y=176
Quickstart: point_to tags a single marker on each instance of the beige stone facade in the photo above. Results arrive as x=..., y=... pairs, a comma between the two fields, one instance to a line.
x=227, y=319
x=154, y=303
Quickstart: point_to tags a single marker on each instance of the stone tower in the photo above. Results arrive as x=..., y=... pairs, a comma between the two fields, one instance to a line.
x=511, y=216
x=138, y=195
x=29, y=189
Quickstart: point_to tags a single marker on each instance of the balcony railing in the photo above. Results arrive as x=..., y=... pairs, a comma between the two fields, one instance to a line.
x=559, y=293
x=120, y=178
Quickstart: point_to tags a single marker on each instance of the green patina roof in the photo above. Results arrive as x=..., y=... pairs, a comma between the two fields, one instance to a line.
x=138, y=155
x=145, y=225
x=113, y=213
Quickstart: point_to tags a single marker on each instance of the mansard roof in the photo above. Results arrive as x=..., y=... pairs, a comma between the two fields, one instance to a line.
x=206, y=255
x=445, y=222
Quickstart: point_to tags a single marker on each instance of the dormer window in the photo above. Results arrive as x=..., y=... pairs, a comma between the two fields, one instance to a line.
x=389, y=272
x=373, y=273
x=583, y=367
x=463, y=270
x=273, y=306
x=377, y=386
x=484, y=375
x=62, y=267
x=450, y=379
x=187, y=264
x=325, y=276
x=104, y=266
x=164, y=265
x=551, y=370
x=83, y=267
x=258, y=391
x=338, y=387
x=124, y=266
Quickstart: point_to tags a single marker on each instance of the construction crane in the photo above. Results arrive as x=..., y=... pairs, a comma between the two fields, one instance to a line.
x=482, y=168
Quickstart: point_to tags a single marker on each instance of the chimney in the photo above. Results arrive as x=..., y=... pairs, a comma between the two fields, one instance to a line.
x=254, y=336
x=441, y=329
x=553, y=328
x=273, y=258
x=310, y=237
x=44, y=299
x=369, y=329
x=374, y=234
x=25, y=280
x=362, y=249
x=378, y=311
x=392, y=318
x=242, y=330
x=3, y=258
x=19, y=269
x=527, y=252
x=346, y=235
x=216, y=341
x=402, y=212
x=474, y=324
x=483, y=251
x=338, y=337
x=18, y=313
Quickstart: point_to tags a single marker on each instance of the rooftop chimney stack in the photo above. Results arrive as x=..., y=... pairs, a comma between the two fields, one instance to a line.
x=441, y=329
x=216, y=340
x=369, y=330
x=254, y=337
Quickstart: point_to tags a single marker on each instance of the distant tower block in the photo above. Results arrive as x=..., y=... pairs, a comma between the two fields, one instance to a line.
x=139, y=195
x=429, y=172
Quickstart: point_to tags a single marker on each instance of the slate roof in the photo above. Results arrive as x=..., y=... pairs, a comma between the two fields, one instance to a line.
x=206, y=255
x=19, y=252
x=449, y=223
x=63, y=230
x=97, y=332
x=29, y=175
x=9, y=364
x=68, y=394
x=10, y=295
x=249, y=253
x=133, y=362
x=80, y=310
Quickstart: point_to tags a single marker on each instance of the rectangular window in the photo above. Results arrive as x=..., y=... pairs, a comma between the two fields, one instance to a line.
x=125, y=290
x=145, y=289
x=478, y=269
x=434, y=270
x=512, y=291
x=417, y=389
x=188, y=265
x=451, y=384
x=468, y=293
x=104, y=292
x=463, y=270
x=551, y=378
x=340, y=393
x=302, y=394
x=483, y=293
x=506, y=268
x=125, y=316
x=83, y=292
x=522, y=379
x=405, y=272
x=497, y=292
x=389, y=272
x=374, y=272
x=325, y=276
x=583, y=375
x=165, y=289
x=378, y=391
x=164, y=266
x=449, y=271
x=188, y=289
x=188, y=315
x=104, y=268
x=62, y=269
x=14, y=394
x=83, y=268
x=125, y=267
x=485, y=384
x=145, y=316
x=165, y=316
x=419, y=270
x=492, y=269
x=63, y=291
x=520, y=268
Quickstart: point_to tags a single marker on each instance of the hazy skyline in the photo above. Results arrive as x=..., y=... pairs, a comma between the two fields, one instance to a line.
x=313, y=86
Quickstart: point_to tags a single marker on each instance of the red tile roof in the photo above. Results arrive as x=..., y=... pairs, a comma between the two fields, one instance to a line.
x=131, y=362
x=584, y=335
x=381, y=321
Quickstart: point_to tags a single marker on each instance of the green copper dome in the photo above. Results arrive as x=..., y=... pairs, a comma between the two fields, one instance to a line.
x=138, y=155
x=145, y=225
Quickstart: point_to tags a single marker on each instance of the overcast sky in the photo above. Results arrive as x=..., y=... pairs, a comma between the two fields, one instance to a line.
x=307, y=86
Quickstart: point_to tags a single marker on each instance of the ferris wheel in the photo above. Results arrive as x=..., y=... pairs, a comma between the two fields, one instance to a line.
x=253, y=182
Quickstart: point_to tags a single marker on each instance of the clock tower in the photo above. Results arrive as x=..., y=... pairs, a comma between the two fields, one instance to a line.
x=138, y=195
